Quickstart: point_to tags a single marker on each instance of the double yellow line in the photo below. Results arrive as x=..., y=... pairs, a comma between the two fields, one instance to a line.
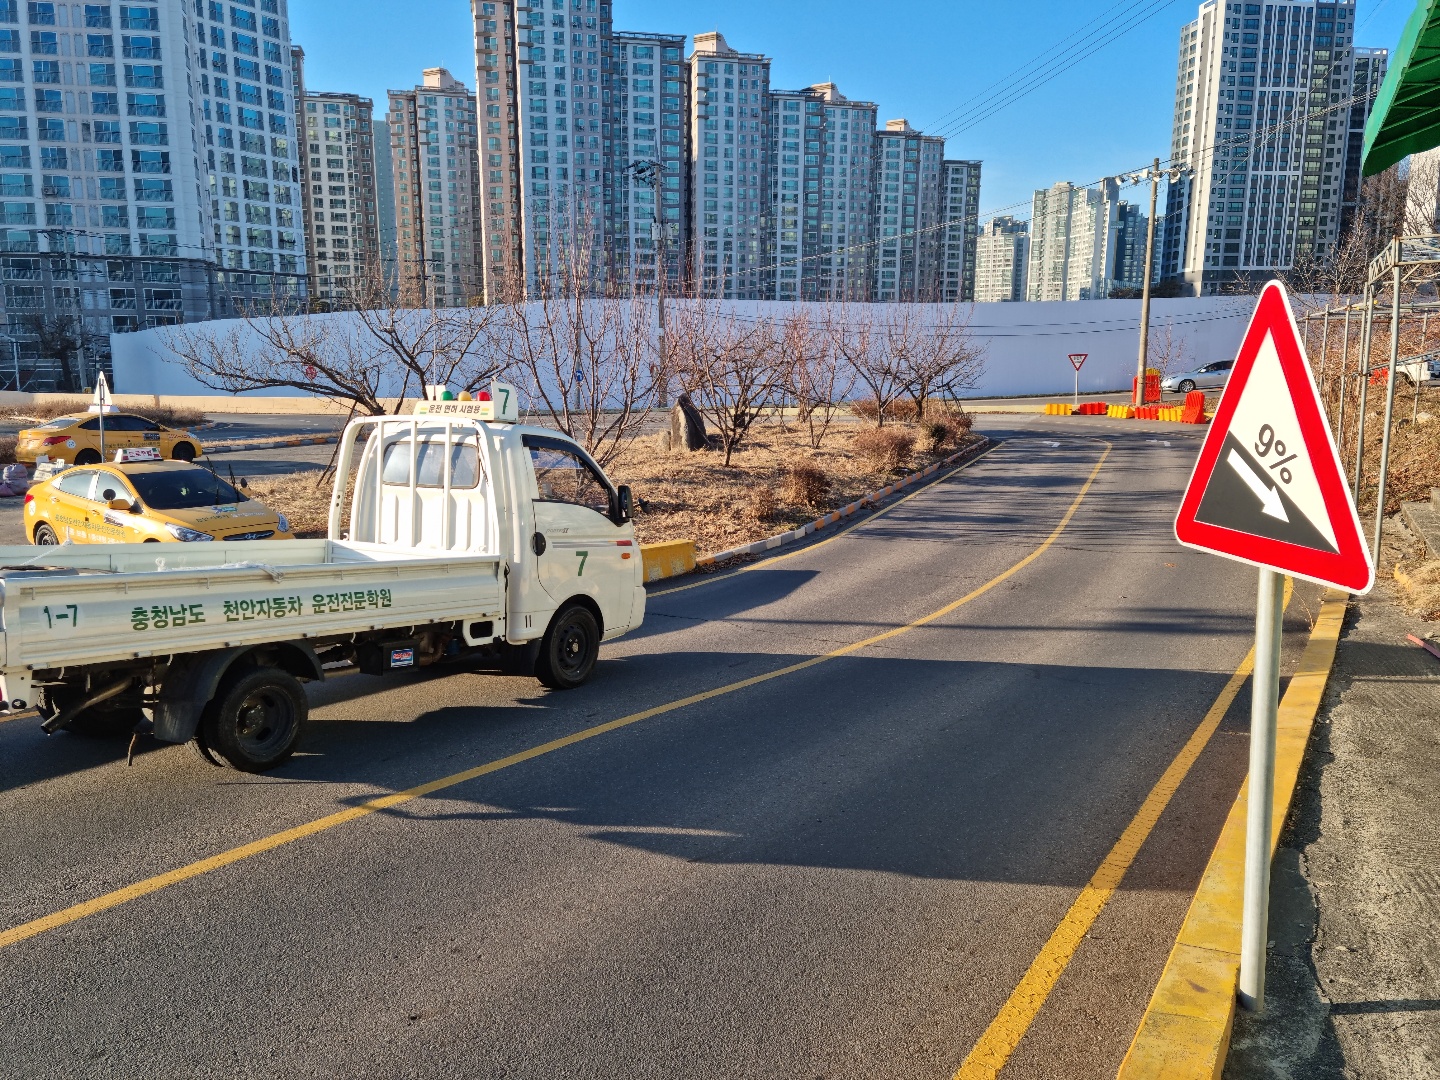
x=114, y=899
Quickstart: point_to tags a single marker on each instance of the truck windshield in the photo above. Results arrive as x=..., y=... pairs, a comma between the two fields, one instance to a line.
x=181, y=489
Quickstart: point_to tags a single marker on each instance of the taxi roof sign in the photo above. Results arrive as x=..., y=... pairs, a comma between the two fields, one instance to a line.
x=136, y=453
x=1268, y=488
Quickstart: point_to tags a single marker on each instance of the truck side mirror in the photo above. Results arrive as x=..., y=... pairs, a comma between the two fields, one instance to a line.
x=623, y=504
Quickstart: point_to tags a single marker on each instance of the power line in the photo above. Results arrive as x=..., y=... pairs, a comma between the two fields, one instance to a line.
x=1082, y=50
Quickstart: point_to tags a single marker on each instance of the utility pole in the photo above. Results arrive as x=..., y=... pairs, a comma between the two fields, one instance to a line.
x=1154, y=175
x=648, y=171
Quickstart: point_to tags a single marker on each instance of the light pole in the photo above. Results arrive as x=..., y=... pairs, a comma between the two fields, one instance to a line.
x=1154, y=175
x=648, y=171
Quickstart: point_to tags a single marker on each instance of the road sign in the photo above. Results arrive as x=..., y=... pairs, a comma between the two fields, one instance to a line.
x=1077, y=360
x=1268, y=487
x=1267, y=490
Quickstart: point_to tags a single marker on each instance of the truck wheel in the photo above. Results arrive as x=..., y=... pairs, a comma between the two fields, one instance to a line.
x=253, y=723
x=569, y=650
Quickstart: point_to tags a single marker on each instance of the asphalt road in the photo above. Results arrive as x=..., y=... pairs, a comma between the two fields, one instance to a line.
x=843, y=870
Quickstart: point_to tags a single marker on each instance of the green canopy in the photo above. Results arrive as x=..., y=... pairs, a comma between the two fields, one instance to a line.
x=1406, y=116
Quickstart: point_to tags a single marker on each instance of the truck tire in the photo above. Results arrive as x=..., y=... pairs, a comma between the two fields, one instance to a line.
x=569, y=649
x=253, y=722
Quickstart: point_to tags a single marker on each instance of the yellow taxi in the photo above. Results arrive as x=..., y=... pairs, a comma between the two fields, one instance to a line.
x=141, y=500
x=76, y=439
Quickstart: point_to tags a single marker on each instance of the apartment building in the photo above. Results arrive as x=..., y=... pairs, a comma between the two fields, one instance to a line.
x=650, y=122
x=730, y=170
x=1085, y=242
x=1270, y=101
x=339, y=172
x=1002, y=251
x=147, y=169
x=434, y=162
x=960, y=215
x=822, y=210
x=909, y=201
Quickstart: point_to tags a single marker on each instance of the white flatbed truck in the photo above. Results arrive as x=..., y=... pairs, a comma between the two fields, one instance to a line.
x=461, y=537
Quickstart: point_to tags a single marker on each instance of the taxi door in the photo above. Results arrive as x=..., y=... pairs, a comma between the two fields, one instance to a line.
x=580, y=549
x=114, y=526
x=70, y=507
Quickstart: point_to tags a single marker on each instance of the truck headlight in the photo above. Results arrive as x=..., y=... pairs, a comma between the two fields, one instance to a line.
x=188, y=535
x=283, y=521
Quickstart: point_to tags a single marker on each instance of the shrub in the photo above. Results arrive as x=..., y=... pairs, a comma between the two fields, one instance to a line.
x=762, y=504
x=806, y=485
x=866, y=409
x=903, y=411
x=939, y=432
x=885, y=448
x=7, y=449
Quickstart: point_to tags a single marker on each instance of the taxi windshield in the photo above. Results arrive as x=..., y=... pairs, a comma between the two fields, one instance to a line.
x=183, y=489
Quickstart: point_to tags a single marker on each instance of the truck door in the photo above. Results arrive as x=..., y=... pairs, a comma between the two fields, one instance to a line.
x=581, y=549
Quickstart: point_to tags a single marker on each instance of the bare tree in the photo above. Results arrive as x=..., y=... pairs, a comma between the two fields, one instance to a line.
x=382, y=349
x=1168, y=352
x=868, y=348
x=819, y=380
x=733, y=370
x=61, y=338
x=938, y=355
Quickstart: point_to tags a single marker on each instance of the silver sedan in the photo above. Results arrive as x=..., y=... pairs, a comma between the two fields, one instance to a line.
x=1209, y=377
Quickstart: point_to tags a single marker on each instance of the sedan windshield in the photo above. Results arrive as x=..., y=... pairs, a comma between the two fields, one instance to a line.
x=183, y=489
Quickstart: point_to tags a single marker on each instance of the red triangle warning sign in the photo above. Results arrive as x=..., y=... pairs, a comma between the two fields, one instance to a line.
x=1268, y=488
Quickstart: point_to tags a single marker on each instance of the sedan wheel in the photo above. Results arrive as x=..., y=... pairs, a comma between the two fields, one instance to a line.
x=1186, y=386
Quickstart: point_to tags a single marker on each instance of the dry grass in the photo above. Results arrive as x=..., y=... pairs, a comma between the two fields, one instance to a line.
x=776, y=482
x=173, y=416
x=1419, y=587
x=692, y=496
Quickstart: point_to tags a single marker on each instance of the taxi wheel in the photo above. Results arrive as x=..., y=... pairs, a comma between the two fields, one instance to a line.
x=183, y=452
x=45, y=536
x=87, y=457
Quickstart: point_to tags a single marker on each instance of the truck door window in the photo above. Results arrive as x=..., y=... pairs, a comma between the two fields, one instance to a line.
x=76, y=482
x=564, y=476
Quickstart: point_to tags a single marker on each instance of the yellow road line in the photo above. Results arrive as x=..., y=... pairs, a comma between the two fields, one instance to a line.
x=807, y=548
x=149, y=885
x=990, y=1054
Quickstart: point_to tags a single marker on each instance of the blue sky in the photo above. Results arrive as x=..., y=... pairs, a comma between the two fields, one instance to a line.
x=920, y=60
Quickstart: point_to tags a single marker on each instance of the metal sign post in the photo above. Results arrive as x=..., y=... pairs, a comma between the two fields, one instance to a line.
x=1264, y=710
x=1077, y=361
x=1269, y=490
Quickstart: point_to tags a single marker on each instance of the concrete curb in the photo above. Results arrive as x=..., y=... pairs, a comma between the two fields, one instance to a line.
x=1185, y=1032
x=668, y=559
x=780, y=540
x=271, y=444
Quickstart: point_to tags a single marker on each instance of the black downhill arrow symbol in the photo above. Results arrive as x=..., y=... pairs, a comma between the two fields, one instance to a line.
x=1240, y=497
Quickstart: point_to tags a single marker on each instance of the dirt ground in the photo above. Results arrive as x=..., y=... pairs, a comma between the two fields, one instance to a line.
x=1353, y=978
x=691, y=496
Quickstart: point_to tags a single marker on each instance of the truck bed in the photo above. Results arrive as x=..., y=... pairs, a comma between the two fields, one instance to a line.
x=87, y=604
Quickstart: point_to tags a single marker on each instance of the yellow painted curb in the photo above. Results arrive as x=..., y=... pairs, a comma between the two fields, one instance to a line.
x=1185, y=1033
x=670, y=559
